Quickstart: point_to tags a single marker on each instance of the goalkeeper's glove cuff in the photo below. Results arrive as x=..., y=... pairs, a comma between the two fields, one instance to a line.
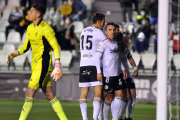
x=15, y=53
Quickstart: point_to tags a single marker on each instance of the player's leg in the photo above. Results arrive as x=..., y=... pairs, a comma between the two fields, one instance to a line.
x=83, y=102
x=84, y=84
x=56, y=105
x=117, y=103
x=131, y=98
x=97, y=85
x=97, y=101
x=28, y=103
x=107, y=105
x=123, y=103
x=131, y=103
x=100, y=116
x=120, y=96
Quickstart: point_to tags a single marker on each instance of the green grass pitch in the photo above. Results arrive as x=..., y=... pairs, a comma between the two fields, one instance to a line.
x=42, y=110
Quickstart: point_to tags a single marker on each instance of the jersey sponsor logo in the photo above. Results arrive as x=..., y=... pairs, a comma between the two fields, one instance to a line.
x=106, y=87
x=86, y=72
x=88, y=55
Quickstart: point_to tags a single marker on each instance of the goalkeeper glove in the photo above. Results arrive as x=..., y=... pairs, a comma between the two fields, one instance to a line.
x=56, y=74
x=10, y=56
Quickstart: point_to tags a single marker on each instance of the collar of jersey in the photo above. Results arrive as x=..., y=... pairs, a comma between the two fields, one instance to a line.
x=39, y=22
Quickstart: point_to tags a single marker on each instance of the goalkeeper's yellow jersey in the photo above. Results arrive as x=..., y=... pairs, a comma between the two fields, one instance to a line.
x=41, y=38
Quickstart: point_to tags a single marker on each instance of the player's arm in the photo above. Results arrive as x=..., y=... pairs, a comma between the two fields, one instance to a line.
x=132, y=62
x=99, y=54
x=123, y=70
x=107, y=42
x=20, y=51
x=50, y=37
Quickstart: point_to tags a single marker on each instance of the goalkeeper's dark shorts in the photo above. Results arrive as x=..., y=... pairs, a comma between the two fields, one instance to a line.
x=39, y=79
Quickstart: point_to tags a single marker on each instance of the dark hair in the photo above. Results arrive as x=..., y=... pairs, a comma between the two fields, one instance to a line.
x=147, y=19
x=40, y=8
x=120, y=41
x=139, y=30
x=110, y=23
x=98, y=16
x=143, y=9
x=116, y=26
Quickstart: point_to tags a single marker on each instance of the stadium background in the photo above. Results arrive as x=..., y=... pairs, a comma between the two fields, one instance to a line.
x=14, y=77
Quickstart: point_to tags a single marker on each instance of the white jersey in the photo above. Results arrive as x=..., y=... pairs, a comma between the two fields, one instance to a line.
x=110, y=60
x=123, y=57
x=89, y=41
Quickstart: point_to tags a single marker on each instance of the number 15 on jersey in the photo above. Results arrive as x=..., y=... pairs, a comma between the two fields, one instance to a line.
x=86, y=42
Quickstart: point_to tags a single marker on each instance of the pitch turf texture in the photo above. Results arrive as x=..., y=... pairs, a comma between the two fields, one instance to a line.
x=42, y=110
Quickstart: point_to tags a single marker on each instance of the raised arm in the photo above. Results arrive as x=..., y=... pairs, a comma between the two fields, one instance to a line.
x=110, y=45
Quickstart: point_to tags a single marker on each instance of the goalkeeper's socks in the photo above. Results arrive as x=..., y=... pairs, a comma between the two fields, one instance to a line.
x=26, y=108
x=116, y=107
x=101, y=111
x=106, y=110
x=58, y=108
x=83, y=106
x=96, y=107
x=130, y=107
x=122, y=107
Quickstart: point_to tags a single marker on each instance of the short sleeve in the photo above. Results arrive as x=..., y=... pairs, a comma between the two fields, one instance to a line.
x=128, y=53
x=101, y=47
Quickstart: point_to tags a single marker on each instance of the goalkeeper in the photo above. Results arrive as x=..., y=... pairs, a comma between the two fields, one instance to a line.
x=41, y=38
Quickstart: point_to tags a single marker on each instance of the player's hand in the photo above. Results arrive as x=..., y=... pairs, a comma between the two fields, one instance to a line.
x=135, y=73
x=109, y=38
x=10, y=56
x=124, y=74
x=144, y=52
x=99, y=76
x=56, y=74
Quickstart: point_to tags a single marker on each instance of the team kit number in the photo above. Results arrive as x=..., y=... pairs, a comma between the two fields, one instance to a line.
x=87, y=41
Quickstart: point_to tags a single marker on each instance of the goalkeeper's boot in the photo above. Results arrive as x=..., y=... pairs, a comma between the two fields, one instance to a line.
x=126, y=118
x=129, y=119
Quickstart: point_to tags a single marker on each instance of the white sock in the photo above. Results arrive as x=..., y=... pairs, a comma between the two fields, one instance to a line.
x=123, y=107
x=130, y=107
x=106, y=110
x=116, y=107
x=96, y=105
x=101, y=111
x=83, y=106
x=112, y=107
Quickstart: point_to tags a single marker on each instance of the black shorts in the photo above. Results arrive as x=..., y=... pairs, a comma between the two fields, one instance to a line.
x=128, y=83
x=88, y=76
x=112, y=83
